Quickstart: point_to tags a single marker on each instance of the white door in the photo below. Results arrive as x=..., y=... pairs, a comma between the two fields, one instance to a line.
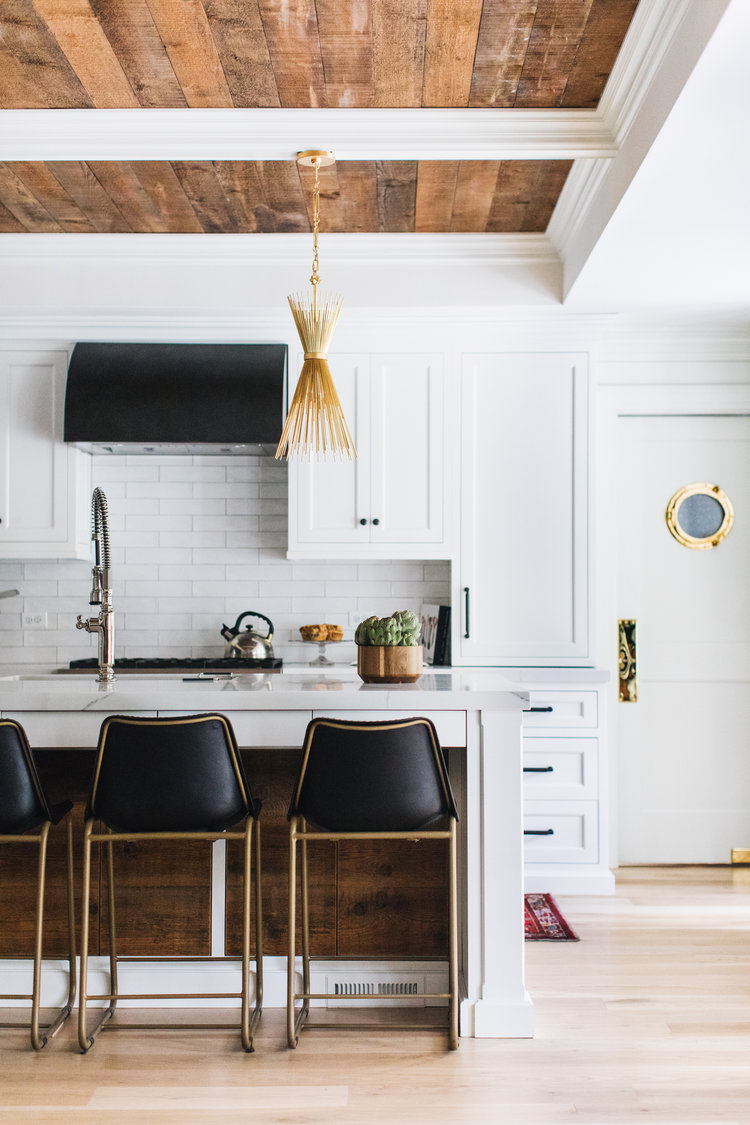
x=684, y=746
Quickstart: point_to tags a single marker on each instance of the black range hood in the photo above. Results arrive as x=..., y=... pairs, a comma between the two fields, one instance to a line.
x=176, y=398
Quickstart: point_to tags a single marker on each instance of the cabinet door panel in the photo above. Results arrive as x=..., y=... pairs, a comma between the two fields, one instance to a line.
x=524, y=556
x=329, y=497
x=407, y=441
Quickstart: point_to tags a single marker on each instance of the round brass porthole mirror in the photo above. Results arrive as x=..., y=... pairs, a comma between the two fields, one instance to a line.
x=699, y=516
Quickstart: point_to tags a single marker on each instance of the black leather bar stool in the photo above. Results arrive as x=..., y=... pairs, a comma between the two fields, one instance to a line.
x=368, y=781
x=26, y=818
x=170, y=779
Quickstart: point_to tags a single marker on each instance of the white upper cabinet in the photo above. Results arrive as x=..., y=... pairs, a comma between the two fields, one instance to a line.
x=44, y=484
x=520, y=593
x=389, y=501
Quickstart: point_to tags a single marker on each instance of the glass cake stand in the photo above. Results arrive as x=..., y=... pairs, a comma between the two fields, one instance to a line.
x=321, y=660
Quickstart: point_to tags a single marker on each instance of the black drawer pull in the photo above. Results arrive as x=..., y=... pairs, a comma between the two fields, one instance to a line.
x=538, y=769
x=538, y=831
x=466, y=612
x=538, y=710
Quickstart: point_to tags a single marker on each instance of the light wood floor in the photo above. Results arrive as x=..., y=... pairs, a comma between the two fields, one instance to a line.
x=647, y=1018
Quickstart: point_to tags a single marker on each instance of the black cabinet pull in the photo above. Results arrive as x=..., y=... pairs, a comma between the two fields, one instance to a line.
x=376, y=522
x=538, y=831
x=538, y=710
x=538, y=769
x=363, y=522
x=466, y=611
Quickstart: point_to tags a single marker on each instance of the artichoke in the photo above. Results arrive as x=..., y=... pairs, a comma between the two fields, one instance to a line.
x=402, y=628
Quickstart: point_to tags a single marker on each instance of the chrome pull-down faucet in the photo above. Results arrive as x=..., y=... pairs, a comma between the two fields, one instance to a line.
x=101, y=591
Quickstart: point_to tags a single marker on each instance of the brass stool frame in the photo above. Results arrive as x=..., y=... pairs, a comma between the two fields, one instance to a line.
x=296, y=1018
x=40, y=1037
x=248, y=1019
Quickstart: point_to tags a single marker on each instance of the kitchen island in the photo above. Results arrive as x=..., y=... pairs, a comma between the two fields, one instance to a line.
x=477, y=713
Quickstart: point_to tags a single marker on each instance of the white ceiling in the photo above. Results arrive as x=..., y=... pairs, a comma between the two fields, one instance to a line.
x=680, y=238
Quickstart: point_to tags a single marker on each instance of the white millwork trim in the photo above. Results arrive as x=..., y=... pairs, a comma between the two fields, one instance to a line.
x=652, y=29
x=504, y=248
x=580, y=189
x=278, y=134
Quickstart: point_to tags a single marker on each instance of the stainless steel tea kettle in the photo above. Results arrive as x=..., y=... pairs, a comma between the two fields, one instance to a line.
x=248, y=644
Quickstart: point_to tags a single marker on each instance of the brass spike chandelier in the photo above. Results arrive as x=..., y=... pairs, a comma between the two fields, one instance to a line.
x=315, y=422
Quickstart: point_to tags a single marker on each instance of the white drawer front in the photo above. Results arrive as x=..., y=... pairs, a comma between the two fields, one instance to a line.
x=280, y=729
x=450, y=725
x=560, y=768
x=562, y=709
x=63, y=728
x=568, y=832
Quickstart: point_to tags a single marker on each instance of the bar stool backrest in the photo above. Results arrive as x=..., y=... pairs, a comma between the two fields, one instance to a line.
x=169, y=775
x=22, y=801
x=372, y=777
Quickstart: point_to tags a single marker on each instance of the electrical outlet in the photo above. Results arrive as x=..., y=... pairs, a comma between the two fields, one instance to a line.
x=35, y=620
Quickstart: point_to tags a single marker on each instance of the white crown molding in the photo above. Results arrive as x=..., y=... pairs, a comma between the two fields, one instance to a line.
x=579, y=191
x=278, y=134
x=507, y=249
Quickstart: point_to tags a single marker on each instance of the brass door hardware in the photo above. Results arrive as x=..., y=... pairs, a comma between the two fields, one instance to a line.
x=626, y=660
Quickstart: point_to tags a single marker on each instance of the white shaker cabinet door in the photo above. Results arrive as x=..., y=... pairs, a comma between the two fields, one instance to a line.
x=329, y=496
x=44, y=484
x=521, y=596
x=389, y=501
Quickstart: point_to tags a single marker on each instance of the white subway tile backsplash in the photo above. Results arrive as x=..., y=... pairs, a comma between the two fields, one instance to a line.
x=196, y=541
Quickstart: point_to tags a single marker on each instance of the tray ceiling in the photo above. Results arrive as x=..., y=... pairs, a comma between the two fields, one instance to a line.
x=314, y=54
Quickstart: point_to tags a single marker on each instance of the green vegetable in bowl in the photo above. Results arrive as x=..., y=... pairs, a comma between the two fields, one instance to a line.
x=402, y=628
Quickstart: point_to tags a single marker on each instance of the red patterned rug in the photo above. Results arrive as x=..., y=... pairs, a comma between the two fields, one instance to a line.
x=543, y=920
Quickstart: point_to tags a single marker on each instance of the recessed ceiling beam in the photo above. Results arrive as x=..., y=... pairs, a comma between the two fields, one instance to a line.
x=278, y=134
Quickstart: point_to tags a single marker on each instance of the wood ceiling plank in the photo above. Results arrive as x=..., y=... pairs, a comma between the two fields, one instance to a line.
x=186, y=33
x=358, y=198
x=553, y=45
x=141, y=53
x=475, y=192
x=452, y=33
x=240, y=39
x=602, y=39
x=240, y=184
x=40, y=180
x=436, y=189
x=345, y=33
x=291, y=28
x=396, y=182
x=34, y=72
x=283, y=206
x=159, y=181
x=82, y=186
x=9, y=224
x=23, y=204
x=503, y=41
x=549, y=180
x=216, y=212
x=516, y=207
x=399, y=32
x=89, y=52
x=120, y=181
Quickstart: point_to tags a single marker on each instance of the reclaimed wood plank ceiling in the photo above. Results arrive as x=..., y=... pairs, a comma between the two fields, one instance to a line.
x=374, y=54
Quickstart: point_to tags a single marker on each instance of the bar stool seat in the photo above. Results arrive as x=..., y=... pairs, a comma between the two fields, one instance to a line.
x=368, y=781
x=26, y=818
x=170, y=779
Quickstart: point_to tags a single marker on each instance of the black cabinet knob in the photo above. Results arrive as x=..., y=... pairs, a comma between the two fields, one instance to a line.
x=376, y=522
x=363, y=522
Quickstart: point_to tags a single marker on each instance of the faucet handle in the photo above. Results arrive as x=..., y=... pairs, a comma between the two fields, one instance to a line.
x=80, y=623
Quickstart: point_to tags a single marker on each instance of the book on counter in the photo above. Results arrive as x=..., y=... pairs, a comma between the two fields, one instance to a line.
x=436, y=634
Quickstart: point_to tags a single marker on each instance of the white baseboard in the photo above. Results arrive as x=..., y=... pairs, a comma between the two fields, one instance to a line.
x=564, y=879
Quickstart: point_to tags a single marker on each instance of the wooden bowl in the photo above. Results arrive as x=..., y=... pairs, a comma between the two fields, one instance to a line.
x=389, y=664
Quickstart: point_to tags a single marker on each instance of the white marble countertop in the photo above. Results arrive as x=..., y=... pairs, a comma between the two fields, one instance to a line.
x=295, y=688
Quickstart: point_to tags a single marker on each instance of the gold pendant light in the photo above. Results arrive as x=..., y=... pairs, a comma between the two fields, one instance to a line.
x=315, y=422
